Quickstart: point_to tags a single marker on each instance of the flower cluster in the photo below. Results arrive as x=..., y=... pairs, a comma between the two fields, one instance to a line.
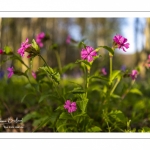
x=88, y=53
x=39, y=39
x=23, y=47
x=71, y=107
x=120, y=42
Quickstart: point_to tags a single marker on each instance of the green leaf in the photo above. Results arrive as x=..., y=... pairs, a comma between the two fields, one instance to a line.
x=41, y=122
x=82, y=104
x=26, y=96
x=77, y=90
x=32, y=115
x=84, y=62
x=54, y=75
x=118, y=116
x=65, y=115
x=48, y=70
x=8, y=50
x=54, y=116
x=115, y=96
x=144, y=129
x=99, y=77
x=107, y=48
x=95, y=129
x=136, y=91
x=44, y=96
x=115, y=74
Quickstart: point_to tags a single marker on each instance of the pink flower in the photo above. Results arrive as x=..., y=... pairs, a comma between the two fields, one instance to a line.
x=11, y=71
x=1, y=51
x=68, y=40
x=23, y=47
x=71, y=107
x=39, y=39
x=120, y=42
x=104, y=71
x=88, y=53
x=34, y=74
x=134, y=74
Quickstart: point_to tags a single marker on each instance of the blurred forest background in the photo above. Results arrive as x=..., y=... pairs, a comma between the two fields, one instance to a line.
x=95, y=32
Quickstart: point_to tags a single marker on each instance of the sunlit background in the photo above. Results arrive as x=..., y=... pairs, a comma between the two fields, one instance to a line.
x=93, y=31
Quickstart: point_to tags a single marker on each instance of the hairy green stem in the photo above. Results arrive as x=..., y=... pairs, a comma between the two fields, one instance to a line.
x=117, y=82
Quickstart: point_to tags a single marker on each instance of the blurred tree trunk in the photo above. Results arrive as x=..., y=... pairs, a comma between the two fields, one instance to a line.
x=146, y=49
x=147, y=35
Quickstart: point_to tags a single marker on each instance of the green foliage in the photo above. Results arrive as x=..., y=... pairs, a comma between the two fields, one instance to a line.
x=54, y=75
x=103, y=103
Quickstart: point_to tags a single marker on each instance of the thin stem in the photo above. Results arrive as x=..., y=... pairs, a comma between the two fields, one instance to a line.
x=118, y=80
x=6, y=107
x=43, y=60
x=110, y=56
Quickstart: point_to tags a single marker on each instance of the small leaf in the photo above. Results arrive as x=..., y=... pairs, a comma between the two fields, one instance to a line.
x=115, y=96
x=65, y=115
x=32, y=115
x=107, y=48
x=77, y=90
x=84, y=62
x=99, y=77
x=95, y=129
x=136, y=91
x=8, y=50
